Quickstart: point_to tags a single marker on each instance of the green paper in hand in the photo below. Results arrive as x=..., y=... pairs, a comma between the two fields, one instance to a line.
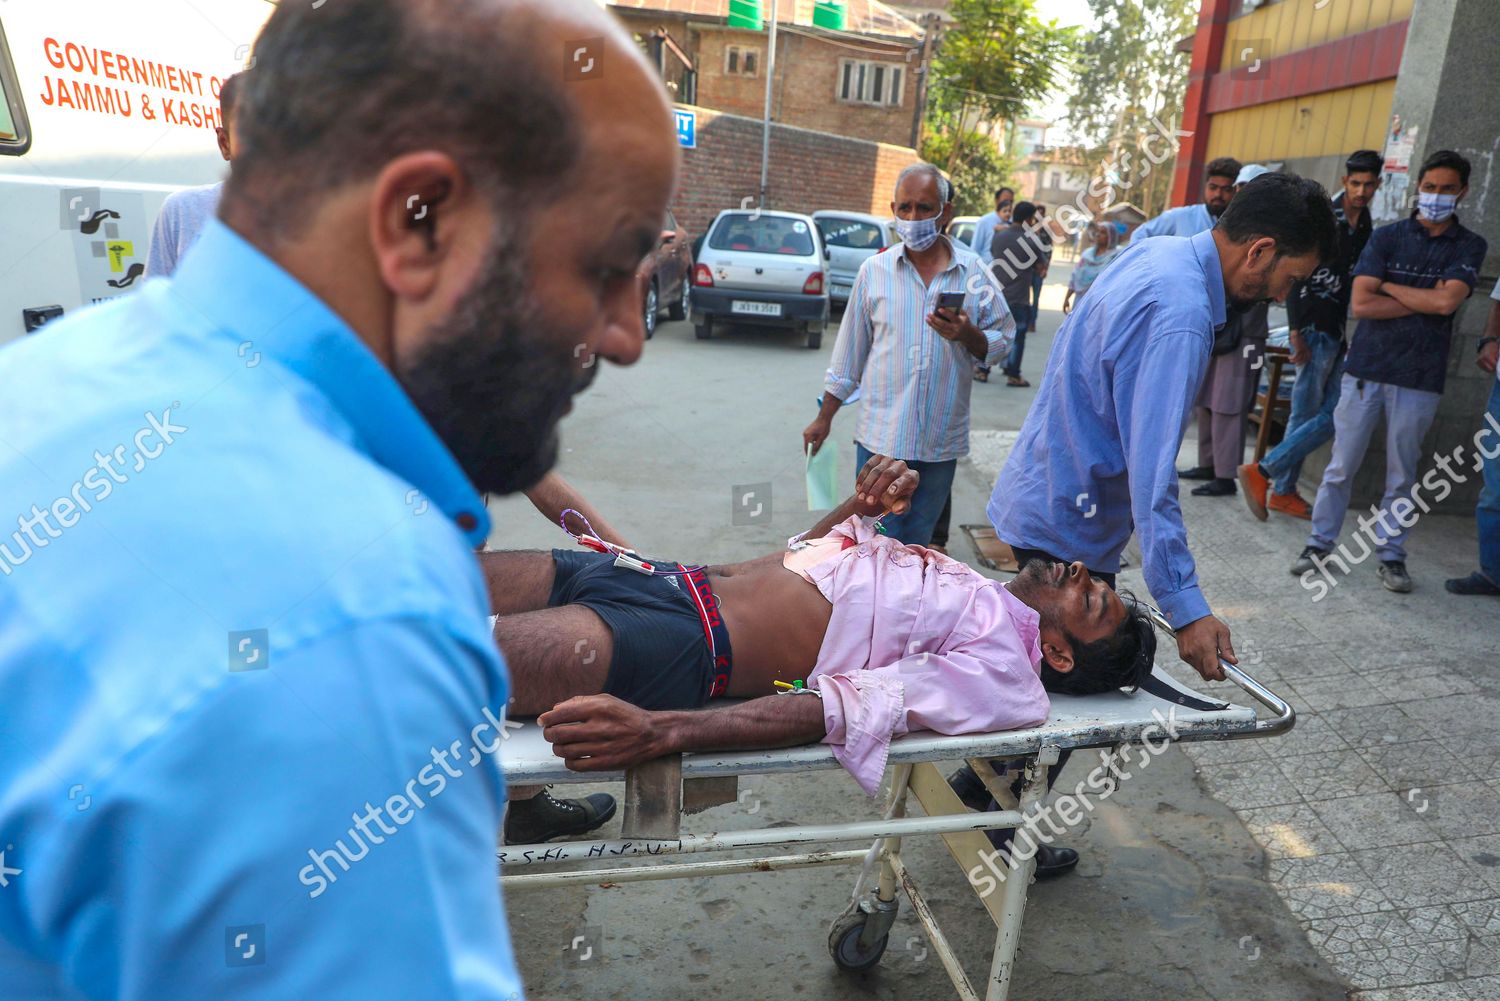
x=823, y=478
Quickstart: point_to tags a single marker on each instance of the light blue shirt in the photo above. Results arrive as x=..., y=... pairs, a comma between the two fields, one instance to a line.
x=248, y=693
x=181, y=219
x=984, y=232
x=915, y=382
x=1185, y=220
x=1097, y=455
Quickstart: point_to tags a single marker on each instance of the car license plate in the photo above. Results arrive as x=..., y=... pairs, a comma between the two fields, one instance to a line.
x=756, y=308
x=843, y=290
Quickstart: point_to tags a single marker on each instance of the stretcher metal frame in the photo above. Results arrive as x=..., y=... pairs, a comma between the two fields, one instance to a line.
x=659, y=792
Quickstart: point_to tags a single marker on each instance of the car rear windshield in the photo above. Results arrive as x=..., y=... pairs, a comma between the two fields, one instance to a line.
x=853, y=233
x=763, y=235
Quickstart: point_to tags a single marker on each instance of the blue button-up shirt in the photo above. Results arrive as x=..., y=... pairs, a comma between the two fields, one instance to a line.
x=915, y=383
x=249, y=702
x=984, y=232
x=1097, y=455
x=1412, y=351
x=1185, y=220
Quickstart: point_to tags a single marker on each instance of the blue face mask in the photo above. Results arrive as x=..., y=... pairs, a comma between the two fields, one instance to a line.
x=918, y=234
x=1435, y=207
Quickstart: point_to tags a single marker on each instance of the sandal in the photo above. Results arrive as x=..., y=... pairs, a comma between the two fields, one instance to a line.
x=1016, y=380
x=981, y=375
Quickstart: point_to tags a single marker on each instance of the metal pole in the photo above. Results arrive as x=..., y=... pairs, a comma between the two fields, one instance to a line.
x=765, y=138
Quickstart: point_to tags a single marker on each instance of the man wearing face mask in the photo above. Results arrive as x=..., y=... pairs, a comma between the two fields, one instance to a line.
x=252, y=707
x=1410, y=280
x=911, y=357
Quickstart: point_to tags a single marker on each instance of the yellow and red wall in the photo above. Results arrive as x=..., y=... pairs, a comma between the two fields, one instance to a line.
x=1299, y=84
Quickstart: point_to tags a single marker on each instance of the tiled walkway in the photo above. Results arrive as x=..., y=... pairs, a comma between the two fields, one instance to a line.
x=1380, y=811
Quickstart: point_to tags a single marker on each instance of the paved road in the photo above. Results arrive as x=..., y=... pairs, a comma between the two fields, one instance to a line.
x=1172, y=900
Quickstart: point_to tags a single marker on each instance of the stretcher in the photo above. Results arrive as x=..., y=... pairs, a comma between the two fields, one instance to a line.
x=658, y=793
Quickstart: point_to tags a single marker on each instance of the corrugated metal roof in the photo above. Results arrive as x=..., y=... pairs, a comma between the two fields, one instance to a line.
x=865, y=17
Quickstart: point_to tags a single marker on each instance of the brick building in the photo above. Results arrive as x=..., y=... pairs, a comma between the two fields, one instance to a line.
x=860, y=80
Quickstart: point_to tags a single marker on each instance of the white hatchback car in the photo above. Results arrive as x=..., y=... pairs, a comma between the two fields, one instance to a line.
x=852, y=239
x=764, y=268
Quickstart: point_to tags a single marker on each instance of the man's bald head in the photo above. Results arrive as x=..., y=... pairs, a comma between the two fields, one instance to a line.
x=341, y=89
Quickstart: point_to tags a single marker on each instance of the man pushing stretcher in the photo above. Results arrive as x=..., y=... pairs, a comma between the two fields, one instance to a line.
x=619, y=662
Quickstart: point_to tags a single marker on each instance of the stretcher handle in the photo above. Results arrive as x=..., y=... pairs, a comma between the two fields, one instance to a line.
x=1285, y=717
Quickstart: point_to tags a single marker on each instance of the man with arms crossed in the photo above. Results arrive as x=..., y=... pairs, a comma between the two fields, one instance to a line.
x=1410, y=280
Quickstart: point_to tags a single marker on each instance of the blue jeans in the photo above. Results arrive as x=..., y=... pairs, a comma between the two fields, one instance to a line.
x=1024, y=315
x=1315, y=396
x=1036, y=296
x=1488, y=513
x=916, y=525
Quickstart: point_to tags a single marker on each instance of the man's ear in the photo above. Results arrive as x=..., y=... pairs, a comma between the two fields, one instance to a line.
x=222, y=134
x=1261, y=254
x=414, y=220
x=1057, y=657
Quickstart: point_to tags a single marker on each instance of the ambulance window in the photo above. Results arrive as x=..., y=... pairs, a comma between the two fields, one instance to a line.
x=15, y=131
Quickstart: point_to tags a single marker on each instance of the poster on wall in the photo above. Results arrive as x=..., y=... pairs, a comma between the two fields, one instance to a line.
x=1395, y=176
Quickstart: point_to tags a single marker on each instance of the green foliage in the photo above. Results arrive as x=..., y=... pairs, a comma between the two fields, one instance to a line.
x=996, y=58
x=1129, y=84
x=979, y=168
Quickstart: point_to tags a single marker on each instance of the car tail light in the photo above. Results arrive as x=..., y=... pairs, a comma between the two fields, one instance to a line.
x=702, y=276
x=814, y=284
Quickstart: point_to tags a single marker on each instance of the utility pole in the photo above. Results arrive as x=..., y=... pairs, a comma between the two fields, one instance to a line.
x=929, y=22
x=765, y=139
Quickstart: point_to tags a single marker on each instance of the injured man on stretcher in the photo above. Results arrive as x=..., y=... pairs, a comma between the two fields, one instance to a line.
x=877, y=639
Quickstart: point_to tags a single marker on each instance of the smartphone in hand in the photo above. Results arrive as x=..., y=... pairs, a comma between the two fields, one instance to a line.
x=951, y=301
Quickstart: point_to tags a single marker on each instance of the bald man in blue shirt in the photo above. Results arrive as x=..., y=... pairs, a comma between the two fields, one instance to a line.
x=250, y=706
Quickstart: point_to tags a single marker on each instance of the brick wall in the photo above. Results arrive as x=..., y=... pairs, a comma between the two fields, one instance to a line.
x=805, y=91
x=809, y=170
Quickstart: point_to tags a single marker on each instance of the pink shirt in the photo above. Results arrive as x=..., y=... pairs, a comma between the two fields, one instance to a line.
x=917, y=641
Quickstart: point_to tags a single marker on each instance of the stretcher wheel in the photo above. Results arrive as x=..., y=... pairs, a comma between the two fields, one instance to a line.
x=844, y=947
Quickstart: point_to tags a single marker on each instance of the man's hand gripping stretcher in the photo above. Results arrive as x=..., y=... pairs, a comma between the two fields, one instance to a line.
x=865, y=637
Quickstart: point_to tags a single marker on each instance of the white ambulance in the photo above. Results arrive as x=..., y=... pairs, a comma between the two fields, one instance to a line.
x=108, y=106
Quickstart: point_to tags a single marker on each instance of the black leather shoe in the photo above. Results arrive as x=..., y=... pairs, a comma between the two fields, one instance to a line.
x=1196, y=473
x=1215, y=487
x=544, y=817
x=1052, y=862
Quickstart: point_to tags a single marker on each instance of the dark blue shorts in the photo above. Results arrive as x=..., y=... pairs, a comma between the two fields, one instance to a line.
x=670, y=648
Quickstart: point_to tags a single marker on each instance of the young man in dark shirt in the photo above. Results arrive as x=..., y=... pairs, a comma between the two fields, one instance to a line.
x=1017, y=252
x=1410, y=280
x=1316, y=313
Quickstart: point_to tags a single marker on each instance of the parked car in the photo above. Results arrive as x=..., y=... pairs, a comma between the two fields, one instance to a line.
x=667, y=274
x=961, y=229
x=852, y=238
x=764, y=268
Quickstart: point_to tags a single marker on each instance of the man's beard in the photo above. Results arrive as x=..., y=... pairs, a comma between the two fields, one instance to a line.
x=493, y=379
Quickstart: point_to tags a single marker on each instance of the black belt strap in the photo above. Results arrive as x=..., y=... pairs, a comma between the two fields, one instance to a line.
x=1173, y=694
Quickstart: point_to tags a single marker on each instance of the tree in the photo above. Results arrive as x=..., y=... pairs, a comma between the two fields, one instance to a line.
x=977, y=172
x=995, y=59
x=1129, y=86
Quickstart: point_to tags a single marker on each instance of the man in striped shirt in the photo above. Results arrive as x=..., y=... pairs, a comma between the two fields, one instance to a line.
x=911, y=357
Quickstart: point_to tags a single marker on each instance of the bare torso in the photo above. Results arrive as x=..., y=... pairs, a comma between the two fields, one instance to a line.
x=776, y=620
